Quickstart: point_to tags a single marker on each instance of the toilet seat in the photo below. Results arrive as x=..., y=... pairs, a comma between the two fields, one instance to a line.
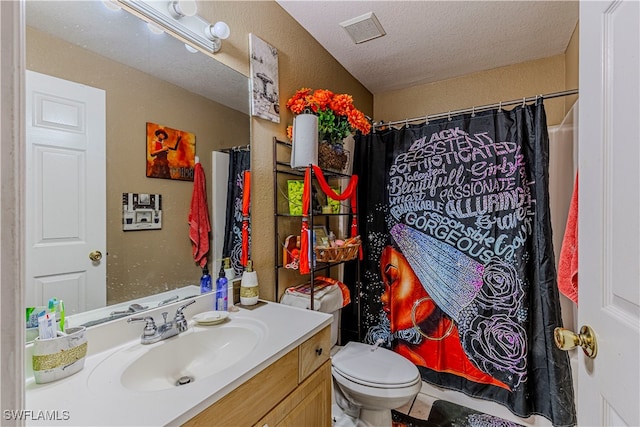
x=380, y=368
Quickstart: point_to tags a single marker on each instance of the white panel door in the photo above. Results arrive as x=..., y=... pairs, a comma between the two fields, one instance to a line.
x=609, y=212
x=65, y=193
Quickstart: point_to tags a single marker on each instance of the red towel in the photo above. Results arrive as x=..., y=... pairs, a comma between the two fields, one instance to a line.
x=199, y=226
x=568, y=264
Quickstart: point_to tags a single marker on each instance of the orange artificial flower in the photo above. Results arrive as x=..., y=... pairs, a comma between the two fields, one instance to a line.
x=337, y=116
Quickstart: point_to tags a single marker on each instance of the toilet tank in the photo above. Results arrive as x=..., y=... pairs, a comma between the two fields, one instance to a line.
x=329, y=302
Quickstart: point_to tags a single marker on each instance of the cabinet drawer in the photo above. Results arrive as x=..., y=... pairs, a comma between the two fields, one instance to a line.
x=314, y=352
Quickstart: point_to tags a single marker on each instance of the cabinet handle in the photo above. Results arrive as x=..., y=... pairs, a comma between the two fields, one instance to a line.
x=319, y=351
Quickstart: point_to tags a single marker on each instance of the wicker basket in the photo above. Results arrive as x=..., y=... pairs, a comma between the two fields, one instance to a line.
x=339, y=253
x=328, y=158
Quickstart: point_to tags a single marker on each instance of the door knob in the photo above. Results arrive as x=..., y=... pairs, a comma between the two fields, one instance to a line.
x=567, y=340
x=95, y=256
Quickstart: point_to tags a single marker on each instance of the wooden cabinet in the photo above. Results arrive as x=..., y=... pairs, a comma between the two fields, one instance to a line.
x=309, y=405
x=295, y=390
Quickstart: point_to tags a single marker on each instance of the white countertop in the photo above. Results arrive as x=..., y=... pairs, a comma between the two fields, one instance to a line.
x=73, y=402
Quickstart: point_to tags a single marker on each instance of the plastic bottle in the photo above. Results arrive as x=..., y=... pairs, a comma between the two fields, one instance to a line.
x=249, y=286
x=230, y=274
x=221, y=291
x=205, y=281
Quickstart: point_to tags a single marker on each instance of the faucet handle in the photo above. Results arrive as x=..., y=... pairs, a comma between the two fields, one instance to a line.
x=180, y=321
x=149, y=327
x=182, y=307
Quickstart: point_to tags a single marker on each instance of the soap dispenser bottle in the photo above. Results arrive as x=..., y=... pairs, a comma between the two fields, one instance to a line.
x=205, y=281
x=221, y=291
x=230, y=274
x=249, y=286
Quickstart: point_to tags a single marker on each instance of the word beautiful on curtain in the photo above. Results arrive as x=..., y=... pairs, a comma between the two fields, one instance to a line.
x=466, y=260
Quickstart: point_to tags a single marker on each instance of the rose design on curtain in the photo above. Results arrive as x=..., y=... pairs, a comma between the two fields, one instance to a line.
x=502, y=289
x=497, y=345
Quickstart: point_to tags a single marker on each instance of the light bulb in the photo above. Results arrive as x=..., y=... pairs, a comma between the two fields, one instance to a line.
x=181, y=8
x=219, y=30
x=190, y=48
x=111, y=4
x=155, y=29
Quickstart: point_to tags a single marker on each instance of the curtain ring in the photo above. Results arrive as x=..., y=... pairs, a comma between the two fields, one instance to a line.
x=449, y=115
x=406, y=123
x=500, y=107
x=426, y=119
x=524, y=100
x=473, y=111
x=417, y=328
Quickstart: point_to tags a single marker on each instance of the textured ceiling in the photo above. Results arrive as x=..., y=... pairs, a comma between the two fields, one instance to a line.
x=428, y=41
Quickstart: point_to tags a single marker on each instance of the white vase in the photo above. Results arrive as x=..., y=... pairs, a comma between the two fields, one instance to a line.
x=305, y=141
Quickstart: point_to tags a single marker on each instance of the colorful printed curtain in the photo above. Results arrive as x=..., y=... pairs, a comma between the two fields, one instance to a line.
x=460, y=275
x=239, y=161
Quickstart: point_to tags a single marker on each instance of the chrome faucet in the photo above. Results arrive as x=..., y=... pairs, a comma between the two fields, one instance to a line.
x=152, y=334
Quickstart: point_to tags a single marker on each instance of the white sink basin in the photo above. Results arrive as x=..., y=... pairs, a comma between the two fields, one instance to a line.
x=186, y=358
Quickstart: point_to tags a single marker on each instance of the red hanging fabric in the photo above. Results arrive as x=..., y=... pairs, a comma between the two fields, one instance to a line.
x=246, y=197
x=304, y=232
x=348, y=193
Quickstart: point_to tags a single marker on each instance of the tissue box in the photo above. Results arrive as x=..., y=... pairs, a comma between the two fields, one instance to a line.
x=60, y=357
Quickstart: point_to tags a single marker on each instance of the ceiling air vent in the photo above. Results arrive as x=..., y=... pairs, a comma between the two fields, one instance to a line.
x=364, y=28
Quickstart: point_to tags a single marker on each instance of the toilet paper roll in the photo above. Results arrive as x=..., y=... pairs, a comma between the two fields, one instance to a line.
x=305, y=141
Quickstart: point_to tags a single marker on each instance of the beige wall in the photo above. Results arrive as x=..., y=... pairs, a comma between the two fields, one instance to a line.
x=142, y=262
x=302, y=62
x=526, y=79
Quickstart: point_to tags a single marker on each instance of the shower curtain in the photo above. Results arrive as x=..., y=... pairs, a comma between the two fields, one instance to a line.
x=459, y=275
x=239, y=161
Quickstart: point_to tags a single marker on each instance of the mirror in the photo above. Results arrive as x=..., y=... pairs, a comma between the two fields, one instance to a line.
x=147, y=77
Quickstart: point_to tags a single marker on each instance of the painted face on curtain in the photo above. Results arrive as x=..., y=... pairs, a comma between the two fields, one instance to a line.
x=401, y=290
x=411, y=312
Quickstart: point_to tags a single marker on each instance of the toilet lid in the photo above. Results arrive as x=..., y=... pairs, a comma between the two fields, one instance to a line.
x=380, y=367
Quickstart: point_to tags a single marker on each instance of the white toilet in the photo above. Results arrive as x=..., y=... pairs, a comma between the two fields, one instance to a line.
x=374, y=380
x=368, y=381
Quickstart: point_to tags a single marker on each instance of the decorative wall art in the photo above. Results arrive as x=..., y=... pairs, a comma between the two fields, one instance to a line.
x=264, y=79
x=141, y=211
x=170, y=153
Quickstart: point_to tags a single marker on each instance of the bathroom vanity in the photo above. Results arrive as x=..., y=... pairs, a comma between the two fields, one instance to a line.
x=293, y=391
x=265, y=366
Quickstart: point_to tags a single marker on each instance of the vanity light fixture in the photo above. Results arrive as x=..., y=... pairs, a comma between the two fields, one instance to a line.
x=180, y=19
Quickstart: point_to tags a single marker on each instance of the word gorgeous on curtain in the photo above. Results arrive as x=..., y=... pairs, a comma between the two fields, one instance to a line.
x=460, y=277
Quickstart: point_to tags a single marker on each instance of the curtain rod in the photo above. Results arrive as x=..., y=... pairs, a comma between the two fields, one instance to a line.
x=237, y=148
x=472, y=110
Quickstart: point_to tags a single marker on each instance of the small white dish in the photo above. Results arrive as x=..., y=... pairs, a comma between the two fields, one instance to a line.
x=210, y=317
